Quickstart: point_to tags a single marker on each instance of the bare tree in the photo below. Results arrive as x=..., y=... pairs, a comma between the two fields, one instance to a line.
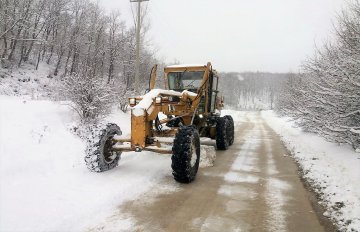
x=325, y=100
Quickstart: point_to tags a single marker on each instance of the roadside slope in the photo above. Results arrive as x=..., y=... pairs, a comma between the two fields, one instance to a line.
x=44, y=183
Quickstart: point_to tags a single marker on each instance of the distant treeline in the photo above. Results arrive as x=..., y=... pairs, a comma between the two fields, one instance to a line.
x=252, y=90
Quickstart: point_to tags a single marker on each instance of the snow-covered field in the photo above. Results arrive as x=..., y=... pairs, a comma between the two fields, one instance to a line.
x=44, y=182
x=332, y=170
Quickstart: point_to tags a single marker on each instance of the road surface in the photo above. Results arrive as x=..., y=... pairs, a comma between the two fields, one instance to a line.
x=253, y=186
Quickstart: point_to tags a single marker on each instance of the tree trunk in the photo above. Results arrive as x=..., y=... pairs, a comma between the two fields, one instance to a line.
x=5, y=29
x=67, y=62
x=38, y=60
x=58, y=62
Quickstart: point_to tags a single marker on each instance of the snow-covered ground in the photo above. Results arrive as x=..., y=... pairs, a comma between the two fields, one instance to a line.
x=28, y=81
x=332, y=170
x=44, y=182
x=45, y=185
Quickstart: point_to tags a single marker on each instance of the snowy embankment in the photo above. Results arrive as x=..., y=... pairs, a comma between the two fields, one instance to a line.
x=27, y=81
x=44, y=182
x=332, y=170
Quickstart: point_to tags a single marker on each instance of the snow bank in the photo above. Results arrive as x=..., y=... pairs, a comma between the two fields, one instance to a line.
x=44, y=182
x=333, y=170
x=207, y=156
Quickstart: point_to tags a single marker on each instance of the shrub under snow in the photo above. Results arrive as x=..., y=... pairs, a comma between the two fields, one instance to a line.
x=91, y=97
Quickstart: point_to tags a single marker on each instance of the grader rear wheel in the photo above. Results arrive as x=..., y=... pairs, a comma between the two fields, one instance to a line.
x=186, y=154
x=230, y=129
x=222, y=135
x=100, y=156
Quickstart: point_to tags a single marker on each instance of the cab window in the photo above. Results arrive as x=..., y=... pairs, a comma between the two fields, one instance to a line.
x=185, y=80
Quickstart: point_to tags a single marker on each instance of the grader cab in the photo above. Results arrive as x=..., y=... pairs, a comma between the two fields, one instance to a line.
x=170, y=121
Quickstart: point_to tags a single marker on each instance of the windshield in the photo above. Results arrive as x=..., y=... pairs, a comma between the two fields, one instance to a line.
x=185, y=80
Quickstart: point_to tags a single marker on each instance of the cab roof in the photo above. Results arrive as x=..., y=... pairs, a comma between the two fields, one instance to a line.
x=185, y=65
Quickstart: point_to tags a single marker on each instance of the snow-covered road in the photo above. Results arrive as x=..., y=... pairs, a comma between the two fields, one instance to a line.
x=254, y=186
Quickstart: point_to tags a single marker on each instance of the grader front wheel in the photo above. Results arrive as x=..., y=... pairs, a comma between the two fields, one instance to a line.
x=100, y=156
x=186, y=154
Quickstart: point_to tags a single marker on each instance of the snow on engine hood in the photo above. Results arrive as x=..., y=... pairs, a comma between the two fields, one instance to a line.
x=149, y=97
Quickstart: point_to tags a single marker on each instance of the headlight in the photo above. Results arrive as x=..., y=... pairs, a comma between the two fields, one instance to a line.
x=132, y=102
x=158, y=100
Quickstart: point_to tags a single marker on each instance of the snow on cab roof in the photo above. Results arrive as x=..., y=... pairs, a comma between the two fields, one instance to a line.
x=185, y=65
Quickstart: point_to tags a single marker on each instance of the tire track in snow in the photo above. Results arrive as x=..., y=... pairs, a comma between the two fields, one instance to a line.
x=275, y=189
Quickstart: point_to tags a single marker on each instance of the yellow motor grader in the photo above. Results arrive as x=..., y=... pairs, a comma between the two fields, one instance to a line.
x=170, y=121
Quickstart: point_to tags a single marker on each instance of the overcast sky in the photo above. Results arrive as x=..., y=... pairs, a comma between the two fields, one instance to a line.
x=236, y=35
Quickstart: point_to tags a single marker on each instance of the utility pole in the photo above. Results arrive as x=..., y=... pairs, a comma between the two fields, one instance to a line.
x=137, y=64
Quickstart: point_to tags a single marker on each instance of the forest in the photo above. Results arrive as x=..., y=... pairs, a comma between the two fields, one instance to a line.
x=87, y=47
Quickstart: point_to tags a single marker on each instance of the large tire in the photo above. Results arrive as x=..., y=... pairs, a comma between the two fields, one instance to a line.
x=230, y=130
x=222, y=135
x=186, y=154
x=100, y=157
